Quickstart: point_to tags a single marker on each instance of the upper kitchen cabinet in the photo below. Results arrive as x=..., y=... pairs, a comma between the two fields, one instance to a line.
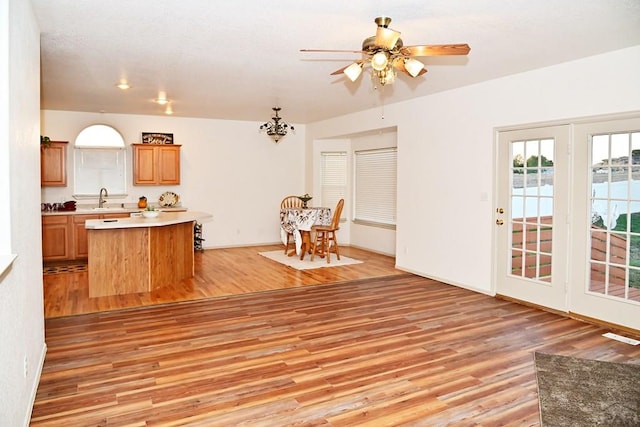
x=156, y=164
x=53, y=164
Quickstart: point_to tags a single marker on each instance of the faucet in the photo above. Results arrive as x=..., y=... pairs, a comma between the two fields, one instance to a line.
x=101, y=200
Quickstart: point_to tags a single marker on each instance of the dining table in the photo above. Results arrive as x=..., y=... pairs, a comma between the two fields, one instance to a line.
x=299, y=222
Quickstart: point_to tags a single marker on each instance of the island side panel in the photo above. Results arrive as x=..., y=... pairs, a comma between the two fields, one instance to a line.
x=118, y=261
x=172, y=254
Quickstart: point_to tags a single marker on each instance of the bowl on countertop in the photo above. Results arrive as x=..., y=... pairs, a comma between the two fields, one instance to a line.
x=150, y=214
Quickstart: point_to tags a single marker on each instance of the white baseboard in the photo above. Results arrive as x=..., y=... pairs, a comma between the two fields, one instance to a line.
x=34, y=385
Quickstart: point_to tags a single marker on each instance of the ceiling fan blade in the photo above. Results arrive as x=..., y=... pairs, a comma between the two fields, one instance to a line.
x=332, y=50
x=399, y=65
x=386, y=37
x=435, y=50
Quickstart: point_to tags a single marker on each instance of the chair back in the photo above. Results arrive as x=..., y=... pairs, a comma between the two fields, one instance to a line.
x=335, y=222
x=291, y=202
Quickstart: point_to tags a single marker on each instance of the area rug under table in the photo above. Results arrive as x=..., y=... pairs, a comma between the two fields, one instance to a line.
x=306, y=263
x=581, y=392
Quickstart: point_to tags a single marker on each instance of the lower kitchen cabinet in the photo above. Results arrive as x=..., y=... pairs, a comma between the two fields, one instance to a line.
x=56, y=238
x=65, y=238
x=80, y=246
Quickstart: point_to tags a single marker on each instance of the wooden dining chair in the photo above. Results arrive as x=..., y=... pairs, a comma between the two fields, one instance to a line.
x=325, y=240
x=290, y=202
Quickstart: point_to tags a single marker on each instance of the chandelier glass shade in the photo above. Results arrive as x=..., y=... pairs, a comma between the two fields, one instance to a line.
x=276, y=129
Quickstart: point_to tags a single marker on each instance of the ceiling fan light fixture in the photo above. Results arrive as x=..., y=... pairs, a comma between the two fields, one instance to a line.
x=380, y=60
x=386, y=37
x=353, y=71
x=413, y=66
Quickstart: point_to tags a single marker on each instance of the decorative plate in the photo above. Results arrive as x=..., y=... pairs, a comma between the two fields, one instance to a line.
x=168, y=199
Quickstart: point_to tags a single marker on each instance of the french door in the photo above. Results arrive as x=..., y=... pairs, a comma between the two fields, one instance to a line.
x=607, y=200
x=531, y=215
x=568, y=218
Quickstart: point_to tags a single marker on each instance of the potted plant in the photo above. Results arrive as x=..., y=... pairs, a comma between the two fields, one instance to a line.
x=45, y=142
x=150, y=212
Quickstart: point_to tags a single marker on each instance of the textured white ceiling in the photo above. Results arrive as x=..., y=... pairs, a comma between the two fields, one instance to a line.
x=236, y=60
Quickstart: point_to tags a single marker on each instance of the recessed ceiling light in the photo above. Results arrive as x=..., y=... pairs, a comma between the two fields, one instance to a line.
x=162, y=98
x=123, y=85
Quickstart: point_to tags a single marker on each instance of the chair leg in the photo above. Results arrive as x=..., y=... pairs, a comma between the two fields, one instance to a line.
x=335, y=243
x=325, y=246
x=315, y=245
x=286, y=247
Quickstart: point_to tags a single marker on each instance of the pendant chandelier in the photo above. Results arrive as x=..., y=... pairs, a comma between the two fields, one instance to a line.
x=276, y=129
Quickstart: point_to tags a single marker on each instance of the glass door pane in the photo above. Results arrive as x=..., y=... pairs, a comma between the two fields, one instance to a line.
x=531, y=199
x=615, y=215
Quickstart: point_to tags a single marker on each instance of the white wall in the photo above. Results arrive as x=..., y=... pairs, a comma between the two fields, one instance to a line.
x=229, y=169
x=446, y=154
x=378, y=239
x=21, y=307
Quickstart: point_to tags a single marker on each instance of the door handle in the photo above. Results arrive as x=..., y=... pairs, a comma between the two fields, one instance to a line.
x=499, y=222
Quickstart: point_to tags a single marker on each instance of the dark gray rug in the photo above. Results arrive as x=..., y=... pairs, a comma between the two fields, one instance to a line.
x=581, y=392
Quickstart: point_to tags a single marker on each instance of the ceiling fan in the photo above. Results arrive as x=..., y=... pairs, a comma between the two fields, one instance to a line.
x=385, y=53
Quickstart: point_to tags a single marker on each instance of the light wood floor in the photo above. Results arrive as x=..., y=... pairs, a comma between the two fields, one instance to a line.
x=395, y=349
x=218, y=273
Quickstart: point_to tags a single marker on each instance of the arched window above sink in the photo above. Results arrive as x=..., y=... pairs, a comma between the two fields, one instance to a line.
x=99, y=162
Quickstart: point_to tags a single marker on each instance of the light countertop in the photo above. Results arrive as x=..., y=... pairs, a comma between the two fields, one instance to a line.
x=110, y=209
x=165, y=218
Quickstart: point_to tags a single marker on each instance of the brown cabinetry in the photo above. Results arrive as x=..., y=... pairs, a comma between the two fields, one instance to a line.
x=53, y=164
x=80, y=246
x=65, y=238
x=156, y=164
x=56, y=242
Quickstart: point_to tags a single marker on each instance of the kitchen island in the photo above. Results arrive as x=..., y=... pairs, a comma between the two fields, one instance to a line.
x=129, y=255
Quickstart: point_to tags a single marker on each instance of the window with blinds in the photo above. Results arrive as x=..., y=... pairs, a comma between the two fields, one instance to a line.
x=375, y=186
x=333, y=178
x=99, y=161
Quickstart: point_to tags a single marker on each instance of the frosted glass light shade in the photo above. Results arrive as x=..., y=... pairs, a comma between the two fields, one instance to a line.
x=353, y=71
x=386, y=37
x=413, y=66
x=379, y=61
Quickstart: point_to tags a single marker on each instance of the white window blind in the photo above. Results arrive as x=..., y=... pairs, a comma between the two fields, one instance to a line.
x=333, y=178
x=99, y=161
x=95, y=168
x=375, y=186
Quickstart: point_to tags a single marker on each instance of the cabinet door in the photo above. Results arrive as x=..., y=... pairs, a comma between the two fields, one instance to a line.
x=144, y=165
x=53, y=165
x=56, y=243
x=169, y=165
x=80, y=246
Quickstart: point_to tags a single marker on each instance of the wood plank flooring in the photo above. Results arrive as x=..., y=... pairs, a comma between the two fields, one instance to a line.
x=392, y=349
x=218, y=272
